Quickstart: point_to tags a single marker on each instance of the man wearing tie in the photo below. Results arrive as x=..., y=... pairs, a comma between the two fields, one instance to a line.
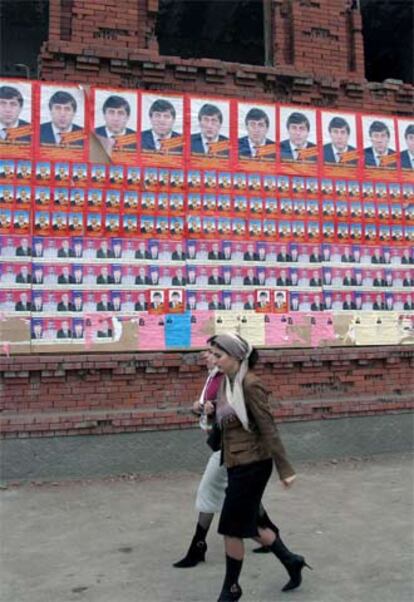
x=11, y=105
x=291, y=149
x=116, y=112
x=257, y=126
x=407, y=156
x=375, y=155
x=63, y=107
x=210, y=120
x=162, y=116
x=333, y=152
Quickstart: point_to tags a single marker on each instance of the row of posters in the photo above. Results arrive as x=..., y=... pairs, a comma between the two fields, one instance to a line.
x=58, y=119
x=210, y=213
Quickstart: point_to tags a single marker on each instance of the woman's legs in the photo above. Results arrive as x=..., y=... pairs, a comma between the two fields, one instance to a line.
x=234, y=548
x=198, y=547
x=264, y=521
x=293, y=563
x=210, y=496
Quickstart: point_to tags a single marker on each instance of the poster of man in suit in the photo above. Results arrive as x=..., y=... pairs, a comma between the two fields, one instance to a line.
x=406, y=143
x=15, y=115
x=210, y=128
x=379, y=142
x=339, y=139
x=62, y=118
x=298, y=135
x=162, y=125
x=115, y=119
x=256, y=132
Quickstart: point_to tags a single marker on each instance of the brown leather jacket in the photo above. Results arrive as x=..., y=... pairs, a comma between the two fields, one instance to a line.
x=262, y=441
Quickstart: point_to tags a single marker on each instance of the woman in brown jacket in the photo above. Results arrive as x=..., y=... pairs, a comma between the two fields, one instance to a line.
x=250, y=444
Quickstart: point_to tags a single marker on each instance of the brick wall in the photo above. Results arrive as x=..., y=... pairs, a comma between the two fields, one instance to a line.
x=318, y=56
x=96, y=394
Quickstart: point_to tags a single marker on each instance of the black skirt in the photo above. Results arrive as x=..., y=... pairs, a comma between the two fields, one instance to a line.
x=246, y=484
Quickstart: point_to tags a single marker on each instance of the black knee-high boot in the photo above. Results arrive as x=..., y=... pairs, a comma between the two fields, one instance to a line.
x=231, y=590
x=293, y=563
x=266, y=523
x=197, y=550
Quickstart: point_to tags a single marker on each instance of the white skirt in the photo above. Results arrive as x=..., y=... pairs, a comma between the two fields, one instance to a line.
x=212, y=487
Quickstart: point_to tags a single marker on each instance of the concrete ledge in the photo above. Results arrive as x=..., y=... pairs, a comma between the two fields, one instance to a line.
x=91, y=456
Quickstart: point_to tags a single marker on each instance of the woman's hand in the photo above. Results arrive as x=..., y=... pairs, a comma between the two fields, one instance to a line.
x=288, y=482
x=197, y=409
x=209, y=408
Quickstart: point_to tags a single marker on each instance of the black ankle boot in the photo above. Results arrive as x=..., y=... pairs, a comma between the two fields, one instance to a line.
x=293, y=563
x=230, y=595
x=196, y=553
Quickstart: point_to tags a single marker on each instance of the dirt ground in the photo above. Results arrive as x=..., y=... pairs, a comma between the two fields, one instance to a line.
x=114, y=540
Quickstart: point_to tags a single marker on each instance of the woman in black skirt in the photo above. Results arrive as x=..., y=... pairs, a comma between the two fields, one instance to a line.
x=250, y=442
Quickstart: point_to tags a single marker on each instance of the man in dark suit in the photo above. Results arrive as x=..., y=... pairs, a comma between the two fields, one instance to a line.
x=379, y=279
x=162, y=116
x=409, y=303
x=210, y=120
x=283, y=255
x=283, y=279
x=63, y=107
x=215, y=253
x=215, y=278
x=250, y=254
x=37, y=304
x=348, y=303
x=378, y=303
x=23, y=250
x=65, y=277
x=407, y=156
x=335, y=151
x=141, y=304
x=24, y=276
x=104, y=277
x=104, y=252
x=64, y=332
x=116, y=112
x=376, y=155
x=315, y=256
x=316, y=304
x=253, y=145
x=78, y=330
x=12, y=129
x=249, y=304
x=65, y=250
x=142, y=277
x=23, y=304
x=178, y=279
x=178, y=254
x=250, y=279
x=104, y=304
x=294, y=148
x=64, y=304
x=215, y=302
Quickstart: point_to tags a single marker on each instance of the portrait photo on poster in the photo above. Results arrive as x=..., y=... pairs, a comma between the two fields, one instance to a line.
x=210, y=127
x=162, y=124
x=298, y=137
x=256, y=132
x=116, y=118
x=15, y=112
x=406, y=143
x=62, y=116
x=339, y=139
x=379, y=142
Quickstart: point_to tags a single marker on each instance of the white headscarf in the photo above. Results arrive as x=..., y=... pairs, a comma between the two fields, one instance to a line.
x=239, y=348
